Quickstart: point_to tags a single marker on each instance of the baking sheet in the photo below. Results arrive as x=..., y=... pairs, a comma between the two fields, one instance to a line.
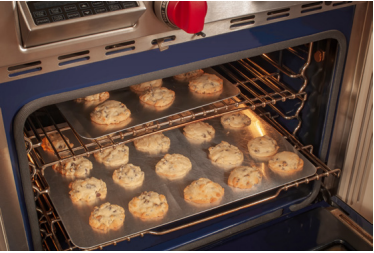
x=75, y=217
x=78, y=114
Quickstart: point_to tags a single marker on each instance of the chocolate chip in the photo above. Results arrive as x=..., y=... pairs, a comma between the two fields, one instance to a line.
x=98, y=194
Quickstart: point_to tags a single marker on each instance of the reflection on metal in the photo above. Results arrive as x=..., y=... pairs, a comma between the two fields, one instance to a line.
x=3, y=239
x=353, y=226
x=354, y=68
x=356, y=186
x=11, y=217
x=161, y=46
x=319, y=55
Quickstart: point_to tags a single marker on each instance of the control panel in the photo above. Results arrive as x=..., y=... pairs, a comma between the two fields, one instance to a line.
x=44, y=22
x=44, y=12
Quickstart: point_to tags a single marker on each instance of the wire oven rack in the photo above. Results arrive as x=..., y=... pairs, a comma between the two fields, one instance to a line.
x=259, y=88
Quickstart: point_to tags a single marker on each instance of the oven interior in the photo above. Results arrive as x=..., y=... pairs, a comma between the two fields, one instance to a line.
x=289, y=89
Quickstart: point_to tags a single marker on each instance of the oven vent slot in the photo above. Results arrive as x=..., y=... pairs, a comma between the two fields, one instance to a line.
x=311, y=7
x=341, y=3
x=165, y=39
x=243, y=21
x=25, y=68
x=73, y=58
x=282, y=13
x=120, y=47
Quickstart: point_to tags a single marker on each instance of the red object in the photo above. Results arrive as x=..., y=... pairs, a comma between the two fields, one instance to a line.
x=188, y=15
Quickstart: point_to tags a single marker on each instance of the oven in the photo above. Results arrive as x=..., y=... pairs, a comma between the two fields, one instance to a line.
x=302, y=71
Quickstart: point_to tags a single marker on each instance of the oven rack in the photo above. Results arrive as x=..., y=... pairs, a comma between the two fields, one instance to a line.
x=53, y=232
x=259, y=88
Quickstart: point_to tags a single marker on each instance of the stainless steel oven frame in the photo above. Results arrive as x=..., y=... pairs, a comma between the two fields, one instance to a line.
x=44, y=215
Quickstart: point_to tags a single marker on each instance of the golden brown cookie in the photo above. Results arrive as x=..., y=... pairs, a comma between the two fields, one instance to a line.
x=110, y=112
x=96, y=97
x=199, y=132
x=114, y=156
x=87, y=190
x=286, y=163
x=173, y=166
x=158, y=97
x=244, y=177
x=206, y=84
x=189, y=75
x=146, y=85
x=107, y=217
x=203, y=191
x=226, y=155
x=78, y=167
x=262, y=148
x=57, y=142
x=235, y=120
x=149, y=206
x=128, y=175
x=153, y=144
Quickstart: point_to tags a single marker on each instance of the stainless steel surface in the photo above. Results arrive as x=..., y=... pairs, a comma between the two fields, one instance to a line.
x=219, y=17
x=4, y=245
x=78, y=114
x=353, y=226
x=75, y=217
x=356, y=185
x=34, y=35
x=351, y=84
x=12, y=227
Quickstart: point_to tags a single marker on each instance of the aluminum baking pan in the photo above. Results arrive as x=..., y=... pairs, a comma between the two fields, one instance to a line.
x=75, y=217
x=78, y=114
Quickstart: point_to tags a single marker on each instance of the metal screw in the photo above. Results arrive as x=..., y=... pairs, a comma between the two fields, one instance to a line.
x=201, y=34
x=319, y=55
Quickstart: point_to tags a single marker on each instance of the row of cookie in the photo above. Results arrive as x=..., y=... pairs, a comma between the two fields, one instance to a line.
x=261, y=148
x=199, y=131
x=143, y=86
x=150, y=205
x=113, y=112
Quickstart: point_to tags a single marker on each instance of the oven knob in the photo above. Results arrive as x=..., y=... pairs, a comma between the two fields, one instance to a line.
x=186, y=15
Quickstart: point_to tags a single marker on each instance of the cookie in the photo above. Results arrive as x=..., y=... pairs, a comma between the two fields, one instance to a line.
x=226, y=155
x=206, y=84
x=286, y=163
x=110, y=112
x=87, y=190
x=128, y=175
x=173, y=166
x=96, y=97
x=113, y=157
x=57, y=142
x=158, y=97
x=235, y=120
x=244, y=177
x=189, y=75
x=199, y=132
x=262, y=148
x=107, y=217
x=153, y=144
x=78, y=167
x=146, y=85
x=203, y=191
x=149, y=206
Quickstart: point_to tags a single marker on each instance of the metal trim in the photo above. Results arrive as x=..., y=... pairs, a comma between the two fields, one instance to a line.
x=142, y=36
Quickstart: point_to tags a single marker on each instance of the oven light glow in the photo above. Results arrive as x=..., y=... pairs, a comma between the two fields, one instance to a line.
x=259, y=128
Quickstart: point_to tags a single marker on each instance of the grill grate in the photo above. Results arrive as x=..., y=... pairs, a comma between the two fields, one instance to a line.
x=259, y=88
